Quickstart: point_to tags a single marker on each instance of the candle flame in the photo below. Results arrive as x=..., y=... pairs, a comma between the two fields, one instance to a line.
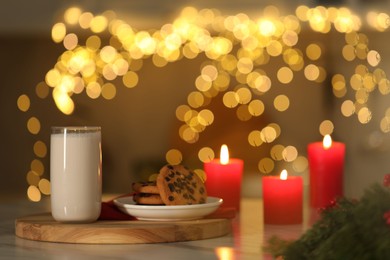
x=327, y=142
x=283, y=175
x=224, y=156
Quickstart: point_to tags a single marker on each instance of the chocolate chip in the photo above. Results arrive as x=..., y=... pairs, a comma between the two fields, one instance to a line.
x=171, y=187
x=171, y=198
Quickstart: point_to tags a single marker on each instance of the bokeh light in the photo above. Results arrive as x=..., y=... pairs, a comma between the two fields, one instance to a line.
x=40, y=149
x=326, y=127
x=37, y=167
x=266, y=165
x=174, y=157
x=23, y=103
x=33, y=125
x=206, y=154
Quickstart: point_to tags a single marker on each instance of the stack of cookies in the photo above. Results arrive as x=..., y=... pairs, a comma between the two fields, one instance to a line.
x=175, y=185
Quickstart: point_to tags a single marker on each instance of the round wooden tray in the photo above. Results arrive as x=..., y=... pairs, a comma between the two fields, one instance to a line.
x=43, y=227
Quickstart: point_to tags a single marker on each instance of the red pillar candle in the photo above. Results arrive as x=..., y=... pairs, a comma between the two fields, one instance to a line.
x=326, y=165
x=282, y=199
x=224, y=178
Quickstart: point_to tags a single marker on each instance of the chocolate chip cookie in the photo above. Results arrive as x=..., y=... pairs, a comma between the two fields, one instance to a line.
x=179, y=185
x=147, y=199
x=145, y=187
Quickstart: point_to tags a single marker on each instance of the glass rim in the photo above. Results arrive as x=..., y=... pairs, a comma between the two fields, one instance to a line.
x=74, y=129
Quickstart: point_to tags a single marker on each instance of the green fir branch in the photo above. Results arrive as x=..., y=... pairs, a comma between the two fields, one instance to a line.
x=348, y=229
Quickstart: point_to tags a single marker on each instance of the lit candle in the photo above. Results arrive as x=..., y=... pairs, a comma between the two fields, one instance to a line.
x=282, y=199
x=326, y=163
x=224, y=178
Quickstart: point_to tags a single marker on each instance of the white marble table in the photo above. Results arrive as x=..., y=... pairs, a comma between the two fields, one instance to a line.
x=244, y=242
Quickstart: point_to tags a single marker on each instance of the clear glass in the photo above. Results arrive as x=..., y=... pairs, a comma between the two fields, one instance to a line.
x=76, y=173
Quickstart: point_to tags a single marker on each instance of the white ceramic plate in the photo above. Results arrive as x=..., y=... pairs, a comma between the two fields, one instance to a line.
x=167, y=213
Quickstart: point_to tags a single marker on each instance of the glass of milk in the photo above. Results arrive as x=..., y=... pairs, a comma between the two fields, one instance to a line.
x=76, y=173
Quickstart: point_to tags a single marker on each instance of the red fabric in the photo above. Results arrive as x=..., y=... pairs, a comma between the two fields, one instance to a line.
x=110, y=212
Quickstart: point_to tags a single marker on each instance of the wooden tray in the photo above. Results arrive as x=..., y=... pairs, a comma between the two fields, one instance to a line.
x=43, y=227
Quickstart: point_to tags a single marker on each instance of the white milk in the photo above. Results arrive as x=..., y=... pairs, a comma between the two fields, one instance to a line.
x=75, y=172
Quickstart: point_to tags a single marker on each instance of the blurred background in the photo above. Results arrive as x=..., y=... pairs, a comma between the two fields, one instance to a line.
x=336, y=85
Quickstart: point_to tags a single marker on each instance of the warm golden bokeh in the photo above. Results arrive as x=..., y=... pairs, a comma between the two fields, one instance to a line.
x=23, y=103
x=237, y=49
x=326, y=127
x=174, y=157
